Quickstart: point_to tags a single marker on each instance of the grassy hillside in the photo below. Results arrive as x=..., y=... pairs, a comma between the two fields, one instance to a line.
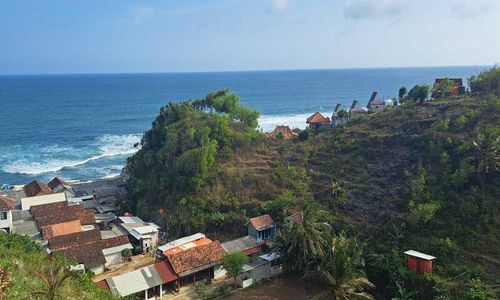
x=23, y=269
x=420, y=176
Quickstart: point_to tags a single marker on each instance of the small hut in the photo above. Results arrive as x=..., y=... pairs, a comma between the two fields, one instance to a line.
x=375, y=103
x=420, y=262
x=283, y=131
x=356, y=109
x=317, y=120
x=339, y=116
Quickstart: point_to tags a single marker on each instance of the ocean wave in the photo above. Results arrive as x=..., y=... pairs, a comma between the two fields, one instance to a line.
x=268, y=122
x=51, y=158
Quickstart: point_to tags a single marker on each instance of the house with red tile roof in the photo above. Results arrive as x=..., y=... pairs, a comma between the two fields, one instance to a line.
x=6, y=206
x=36, y=188
x=197, y=263
x=262, y=228
x=317, y=120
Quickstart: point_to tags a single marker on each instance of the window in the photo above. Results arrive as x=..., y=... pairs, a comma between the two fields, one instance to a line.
x=3, y=215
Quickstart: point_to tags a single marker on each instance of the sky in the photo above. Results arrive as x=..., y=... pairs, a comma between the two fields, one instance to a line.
x=105, y=36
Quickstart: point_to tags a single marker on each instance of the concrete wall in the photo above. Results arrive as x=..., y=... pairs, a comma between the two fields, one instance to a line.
x=7, y=223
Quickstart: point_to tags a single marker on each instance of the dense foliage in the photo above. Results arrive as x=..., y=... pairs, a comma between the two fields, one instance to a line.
x=420, y=176
x=32, y=275
x=177, y=163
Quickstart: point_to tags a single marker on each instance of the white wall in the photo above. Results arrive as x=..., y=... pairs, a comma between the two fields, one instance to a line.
x=8, y=222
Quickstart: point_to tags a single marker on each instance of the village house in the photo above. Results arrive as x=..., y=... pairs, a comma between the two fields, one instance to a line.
x=283, y=132
x=149, y=282
x=184, y=243
x=262, y=228
x=196, y=263
x=356, y=109
x=317, y=120
x=57, y=185
x=36, y=188
x=266, y=266
x=339, y=116
x=112, y=247
x=458, y=86
x=143, y=235
x=375, y=104
x=6, y=206
x=84, y=247
x=27, y=202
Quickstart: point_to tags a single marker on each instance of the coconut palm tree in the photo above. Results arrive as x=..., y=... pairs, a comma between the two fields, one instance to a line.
x=341, y=271
x=486, y=157
x=53, y=276
x=303, y=243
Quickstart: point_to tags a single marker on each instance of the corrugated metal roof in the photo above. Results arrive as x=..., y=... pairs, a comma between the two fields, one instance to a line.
x=181, y=241
x=419, y=255
x=240, y=244
x=134, y=282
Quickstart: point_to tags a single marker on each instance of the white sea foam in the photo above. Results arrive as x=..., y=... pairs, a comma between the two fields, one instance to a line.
x=268, y=122
x=107, y=146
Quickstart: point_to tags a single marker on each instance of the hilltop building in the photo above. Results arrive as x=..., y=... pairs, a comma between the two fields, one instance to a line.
x=317, y=120
x=375, y=104
x=283, y=131
x=339, y=116
x=458, y=87
x=356, y=109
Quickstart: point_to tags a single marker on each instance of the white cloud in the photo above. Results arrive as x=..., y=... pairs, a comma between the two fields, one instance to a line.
x=277, y=6
x=368, y=9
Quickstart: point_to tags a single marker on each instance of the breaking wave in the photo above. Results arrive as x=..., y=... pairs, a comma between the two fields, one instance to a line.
x=268, y=122
x=37, y=160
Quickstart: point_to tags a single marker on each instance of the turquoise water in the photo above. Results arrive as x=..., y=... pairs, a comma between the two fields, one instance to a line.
x=85, y=126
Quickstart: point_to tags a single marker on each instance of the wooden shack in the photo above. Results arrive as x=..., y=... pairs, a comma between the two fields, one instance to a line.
x=420, y=262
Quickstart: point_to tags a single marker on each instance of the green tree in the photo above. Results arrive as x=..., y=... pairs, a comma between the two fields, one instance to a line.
x=127, y=254
x=341, y=270
x=443, y=89
x=233, y=263
x=53, y=275
x=302, y=244
x=486, y=157
x=402, y=93
x=419, y=93
x=486, y=82
x=280, y=207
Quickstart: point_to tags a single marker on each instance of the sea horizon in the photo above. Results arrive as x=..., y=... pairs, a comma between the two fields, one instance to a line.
x=83, y=126
x=241, y=70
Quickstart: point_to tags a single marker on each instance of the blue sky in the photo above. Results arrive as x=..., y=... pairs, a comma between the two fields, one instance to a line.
x=104, y=36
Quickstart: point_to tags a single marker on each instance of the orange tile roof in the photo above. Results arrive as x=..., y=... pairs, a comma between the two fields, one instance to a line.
x=196, y=257
x=6, y=203
x=54, y=230
x=318, y=118
x=261, y=221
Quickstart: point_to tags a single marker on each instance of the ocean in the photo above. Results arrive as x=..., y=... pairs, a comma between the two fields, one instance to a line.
x=85, y=126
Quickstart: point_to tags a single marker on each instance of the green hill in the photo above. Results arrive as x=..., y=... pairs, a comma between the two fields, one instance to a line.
x=418, y=176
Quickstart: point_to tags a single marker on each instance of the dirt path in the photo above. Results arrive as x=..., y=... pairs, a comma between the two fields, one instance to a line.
x=278, y=289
